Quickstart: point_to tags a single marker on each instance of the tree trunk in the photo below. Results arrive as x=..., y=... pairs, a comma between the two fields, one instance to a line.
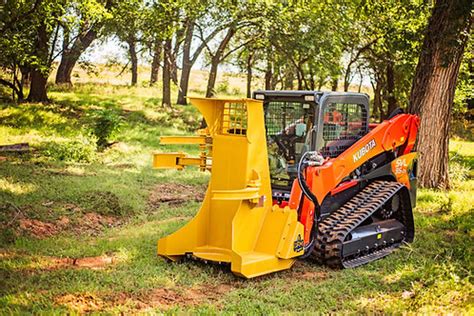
x=173, y=56
x=186, y=64
x=155, y=64
x=38, y=87
x=303, y=84
x=300, y=81
x=334, y=84
x=288, y=79
x=212, y=77
x=268, y=76
x=39, y=77
x=312, y=83
x=434, y=85
x=216, y=59
x=167, y=74
x=249, y=75
x=184, y=83
x=360, y=81
x=347, y=78
x=25, y=76
x=377, y=111
x=174, y=69
x=70, y=56
x=132, y=50
x=391, y=99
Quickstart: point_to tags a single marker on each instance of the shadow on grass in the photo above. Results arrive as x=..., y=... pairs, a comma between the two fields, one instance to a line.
x=32, y=185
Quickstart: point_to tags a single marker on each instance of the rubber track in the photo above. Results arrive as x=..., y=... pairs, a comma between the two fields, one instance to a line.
x=333, y=230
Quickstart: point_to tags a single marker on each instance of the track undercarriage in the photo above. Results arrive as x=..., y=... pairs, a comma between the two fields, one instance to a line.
x=367, y=227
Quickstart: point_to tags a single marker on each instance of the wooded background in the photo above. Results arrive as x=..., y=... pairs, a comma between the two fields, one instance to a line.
x=414, y=53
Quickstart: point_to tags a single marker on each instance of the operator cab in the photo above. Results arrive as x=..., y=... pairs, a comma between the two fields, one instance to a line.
x=300, y=121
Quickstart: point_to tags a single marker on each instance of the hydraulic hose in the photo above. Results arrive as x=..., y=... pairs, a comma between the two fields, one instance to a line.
x=308, y=249
x=304, y=186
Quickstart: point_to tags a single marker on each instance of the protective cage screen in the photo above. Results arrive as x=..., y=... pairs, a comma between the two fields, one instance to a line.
x=280, y=115
x=343, y=125
x=234, y=118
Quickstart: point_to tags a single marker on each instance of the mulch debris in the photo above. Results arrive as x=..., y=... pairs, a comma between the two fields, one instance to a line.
x=176, y=194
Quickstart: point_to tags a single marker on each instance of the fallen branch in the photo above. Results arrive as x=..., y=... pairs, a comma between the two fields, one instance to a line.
x=21, y=147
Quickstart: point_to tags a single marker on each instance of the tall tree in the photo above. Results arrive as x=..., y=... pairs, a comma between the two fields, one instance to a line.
x=236, y=19
x=434, y=86
x=16, y=45
x=28, y=44
x=166, y=30
x=80, y=29
x=156, y=59
x=196, y=21
x=216, y=58
x=167, y=69
x=45, y=38
x=155, y=32
x=128, y=24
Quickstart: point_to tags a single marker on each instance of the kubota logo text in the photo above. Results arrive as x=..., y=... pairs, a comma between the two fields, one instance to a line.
x=364, y=150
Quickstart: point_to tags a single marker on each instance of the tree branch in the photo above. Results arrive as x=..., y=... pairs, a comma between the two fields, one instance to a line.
x=235, y=49
x=10, y=85
x=204, y=41
x=123, y=69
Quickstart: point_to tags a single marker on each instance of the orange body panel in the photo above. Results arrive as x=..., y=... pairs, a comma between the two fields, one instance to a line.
x=390, y=135
x=401, y=166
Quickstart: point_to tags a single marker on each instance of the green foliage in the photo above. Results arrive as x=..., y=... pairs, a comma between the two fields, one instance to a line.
x=89, y=68
x=223, y=87
x=81, y=151
x=30, y=32
x=458, y=173
x=462, y=120
x=106, y=123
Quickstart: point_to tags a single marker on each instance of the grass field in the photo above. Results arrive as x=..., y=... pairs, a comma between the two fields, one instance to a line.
x=79, y=226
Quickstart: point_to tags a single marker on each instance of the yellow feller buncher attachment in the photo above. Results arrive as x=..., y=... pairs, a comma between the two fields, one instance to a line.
x=236, y=223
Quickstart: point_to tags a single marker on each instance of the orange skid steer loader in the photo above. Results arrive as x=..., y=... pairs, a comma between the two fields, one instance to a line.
x=297, y=174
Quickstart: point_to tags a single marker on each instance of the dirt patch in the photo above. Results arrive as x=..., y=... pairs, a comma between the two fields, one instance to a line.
x=122, y=165
x=71, y=207
x=93, y=223
x=208, y=293
x=38, y=228
x=314, y=275
x=89, y=223
x=175, y=194
x=93, y=263
x=63, y=222
x=306, y=271
x=82, y=303
x=145, y=300
x=165, y=298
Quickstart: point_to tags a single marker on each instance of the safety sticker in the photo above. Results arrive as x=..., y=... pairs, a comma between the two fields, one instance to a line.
x=298, y=244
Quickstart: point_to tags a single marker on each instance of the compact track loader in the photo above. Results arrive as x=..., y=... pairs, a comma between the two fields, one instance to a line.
x=297, y=174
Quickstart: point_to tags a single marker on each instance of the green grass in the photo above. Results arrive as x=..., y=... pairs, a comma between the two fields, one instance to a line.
x=432, y=275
